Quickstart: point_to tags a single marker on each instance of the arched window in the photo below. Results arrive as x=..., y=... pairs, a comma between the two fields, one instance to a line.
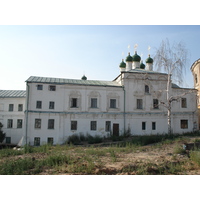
x=146, y=89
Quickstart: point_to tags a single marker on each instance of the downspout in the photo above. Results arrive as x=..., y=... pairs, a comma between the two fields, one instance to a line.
x=27, y=104
x=124, y=109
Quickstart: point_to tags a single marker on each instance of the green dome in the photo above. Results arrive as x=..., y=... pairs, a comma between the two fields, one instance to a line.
x=129, y=58
x=136, y=57
x=84, y=77
x=149, y=60
x=122, y=64
x=142, y=65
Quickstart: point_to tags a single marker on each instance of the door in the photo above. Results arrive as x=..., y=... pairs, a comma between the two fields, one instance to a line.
x=115, y=129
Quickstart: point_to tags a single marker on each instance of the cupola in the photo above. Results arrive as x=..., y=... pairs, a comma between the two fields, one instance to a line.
x=129, y=61
x=149, y=60
x=136, y=61
x=129, y=58
x=149, y=64
x=142, y=65
x=84, y=78
x=122, y=66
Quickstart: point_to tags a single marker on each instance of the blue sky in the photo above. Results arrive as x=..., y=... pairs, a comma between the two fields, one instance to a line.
x=69, y=51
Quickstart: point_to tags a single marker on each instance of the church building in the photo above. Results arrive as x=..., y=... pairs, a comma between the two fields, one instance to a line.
x=56, y=108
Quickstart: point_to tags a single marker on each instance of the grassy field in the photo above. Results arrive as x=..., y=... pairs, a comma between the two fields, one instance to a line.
x=149, y=155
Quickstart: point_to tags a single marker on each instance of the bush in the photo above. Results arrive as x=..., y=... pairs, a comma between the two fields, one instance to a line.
x=73, y=139
x=2, y=134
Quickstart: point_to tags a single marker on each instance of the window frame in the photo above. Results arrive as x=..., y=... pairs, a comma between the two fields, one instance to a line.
x=10, y=123
x=146, y=89
x=93, y=103
x=183, y=102
x=20, y=107
x=36, y=141
x=19, y=123
x=11, y=107
x=153, y=126
x=52, y=88
x=139, y=104
x=108, y=126
x=38, y=123
x=50, y=140
x=143, y=126
x=39, y=87
x=38, y=104
x=74, y=125
x=155, y=104
x=93, y=125
x=51, y=124
x=113, y=103
x=51, y=105
x=74, y=102
x=184, y=125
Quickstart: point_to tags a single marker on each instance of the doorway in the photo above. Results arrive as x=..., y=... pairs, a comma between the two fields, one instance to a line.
x=115, y=129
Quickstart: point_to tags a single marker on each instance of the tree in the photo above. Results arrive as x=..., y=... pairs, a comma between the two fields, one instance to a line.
x=171, y=59
x=2, y=134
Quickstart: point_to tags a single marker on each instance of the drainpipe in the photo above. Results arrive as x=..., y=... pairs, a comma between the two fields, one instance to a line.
x=27, y=104
x=124, y=109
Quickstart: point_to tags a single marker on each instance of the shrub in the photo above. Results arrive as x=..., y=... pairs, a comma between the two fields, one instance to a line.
x=73, y=139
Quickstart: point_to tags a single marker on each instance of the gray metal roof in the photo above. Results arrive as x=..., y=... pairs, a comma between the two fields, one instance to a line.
x=12, y=93
x=48, y=80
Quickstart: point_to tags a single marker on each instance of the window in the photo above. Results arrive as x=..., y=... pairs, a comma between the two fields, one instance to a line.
x=11, y=107
x=10, y=123
x=8, y=140
x=52, y=88
x=39, y=104
x=143, y=125
x=51, y=124
x=196, y=79
x=146, y=89
x=93, y=102
x=50, y=140
x=153, y=125
x=184, y=124
x=113, y=103
x=51, y=105
x=93, y=126
x=36, y=141
x=74, y=102
x=38, y=123
x=19, y=123
x=73, y=125
x=183, y=102
x=108, y=126
x=139, y=104
x=39, y=87
x=20, y=107
x=155, y=104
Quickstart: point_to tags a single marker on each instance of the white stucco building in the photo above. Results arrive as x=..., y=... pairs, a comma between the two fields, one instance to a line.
x=57, y=108
x=12, y=107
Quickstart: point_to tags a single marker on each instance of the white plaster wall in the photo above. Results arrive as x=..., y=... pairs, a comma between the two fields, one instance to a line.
x=15, y=133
